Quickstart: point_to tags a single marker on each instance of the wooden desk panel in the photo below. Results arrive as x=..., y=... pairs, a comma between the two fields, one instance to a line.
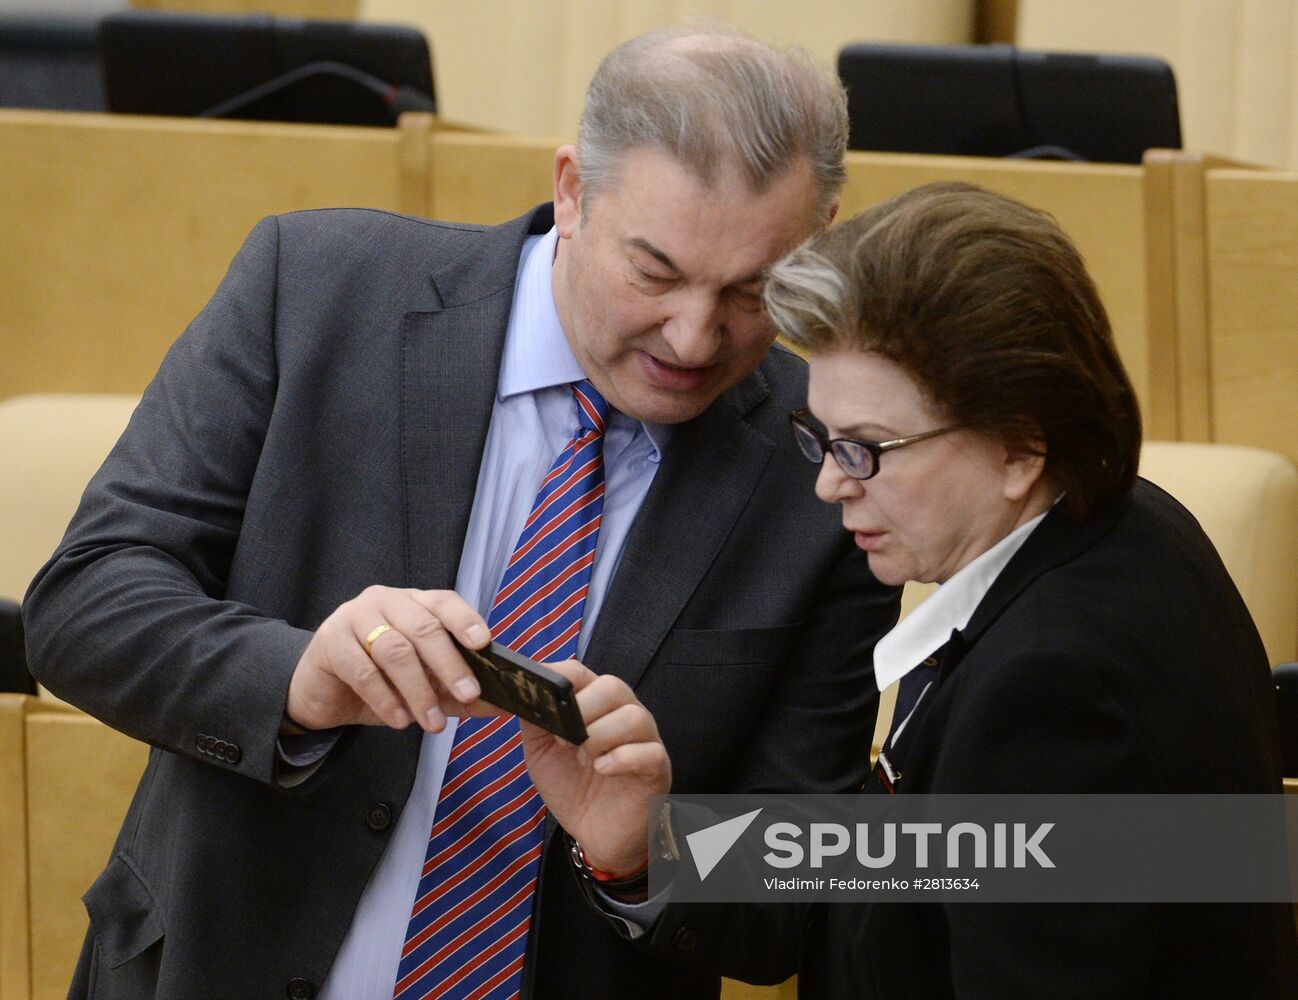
x=118, y=228
x=1252, y=269
x=489, y=178
x=66, y=781
x=80, y=778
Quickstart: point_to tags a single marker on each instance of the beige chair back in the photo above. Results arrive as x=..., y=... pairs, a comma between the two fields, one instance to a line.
x=50, y=446
x=1246, y=499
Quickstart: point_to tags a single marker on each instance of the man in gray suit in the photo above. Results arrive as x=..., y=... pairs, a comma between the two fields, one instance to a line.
x=328, y=476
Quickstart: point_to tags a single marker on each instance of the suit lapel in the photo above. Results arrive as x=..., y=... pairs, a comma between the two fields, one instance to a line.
x=1057, y=540
x=710, y=470
x=450, y=362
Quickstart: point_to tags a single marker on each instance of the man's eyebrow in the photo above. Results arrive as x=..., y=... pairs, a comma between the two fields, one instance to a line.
x=644, y=245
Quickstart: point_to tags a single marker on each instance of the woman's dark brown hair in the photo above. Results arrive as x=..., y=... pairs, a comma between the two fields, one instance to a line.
x=987, y=305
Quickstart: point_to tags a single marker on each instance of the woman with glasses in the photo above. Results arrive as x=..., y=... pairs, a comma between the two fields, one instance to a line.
x=974, y=423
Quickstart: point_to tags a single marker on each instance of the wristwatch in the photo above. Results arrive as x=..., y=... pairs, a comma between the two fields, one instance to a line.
x=663, y=849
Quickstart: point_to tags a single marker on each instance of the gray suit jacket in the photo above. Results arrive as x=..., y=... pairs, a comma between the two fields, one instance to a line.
x=318, y=429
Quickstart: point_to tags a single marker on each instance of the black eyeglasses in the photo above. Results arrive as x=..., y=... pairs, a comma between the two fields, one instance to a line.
x=858, y=459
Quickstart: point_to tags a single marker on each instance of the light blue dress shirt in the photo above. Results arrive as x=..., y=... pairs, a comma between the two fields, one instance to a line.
x=533, y=419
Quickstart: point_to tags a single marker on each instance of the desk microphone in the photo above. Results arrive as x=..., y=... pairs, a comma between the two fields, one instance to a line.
x=396, y=98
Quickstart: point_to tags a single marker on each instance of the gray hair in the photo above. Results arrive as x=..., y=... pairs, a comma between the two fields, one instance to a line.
x=711, y=97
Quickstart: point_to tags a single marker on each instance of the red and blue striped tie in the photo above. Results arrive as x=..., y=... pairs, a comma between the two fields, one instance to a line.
x=467, y=936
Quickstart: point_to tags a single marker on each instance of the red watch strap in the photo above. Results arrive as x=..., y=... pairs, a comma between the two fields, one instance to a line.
x=600, y=875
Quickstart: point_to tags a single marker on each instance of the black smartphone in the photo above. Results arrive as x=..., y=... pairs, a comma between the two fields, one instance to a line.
x=530, y=690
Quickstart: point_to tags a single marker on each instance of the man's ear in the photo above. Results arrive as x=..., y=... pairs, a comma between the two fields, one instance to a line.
x=1025, y=466
x=833, y=212
x=567, y=191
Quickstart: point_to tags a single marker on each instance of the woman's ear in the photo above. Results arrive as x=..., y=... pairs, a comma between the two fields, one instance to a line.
x=1025, y=466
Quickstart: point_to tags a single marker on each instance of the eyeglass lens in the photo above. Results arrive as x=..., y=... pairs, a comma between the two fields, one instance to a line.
x=852, y=458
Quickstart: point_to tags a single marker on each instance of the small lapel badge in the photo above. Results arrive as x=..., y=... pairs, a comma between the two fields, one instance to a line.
x=888, y=776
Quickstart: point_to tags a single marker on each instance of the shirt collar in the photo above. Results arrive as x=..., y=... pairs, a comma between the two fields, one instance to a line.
x=536, y=354
x=948, y=608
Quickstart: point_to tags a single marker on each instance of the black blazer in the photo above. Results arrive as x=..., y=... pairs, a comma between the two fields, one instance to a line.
x=317, y=429
x=1110, y=656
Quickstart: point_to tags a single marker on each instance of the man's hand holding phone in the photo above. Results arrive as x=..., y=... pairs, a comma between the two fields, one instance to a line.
x=599, y=792
x=393, y=656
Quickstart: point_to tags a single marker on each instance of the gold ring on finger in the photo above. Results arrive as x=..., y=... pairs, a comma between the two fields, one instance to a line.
x=377, y=631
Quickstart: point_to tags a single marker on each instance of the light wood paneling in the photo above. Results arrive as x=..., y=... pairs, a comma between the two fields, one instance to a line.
x=1161, y=416
x=80, y=777
x=15, y=936
x=1099, y=206
x=117, y=229
x=1176, y=276
x=521, y=66
x=1177, y=310
x=1252, y=246
x=66, y=781
x=488, y=179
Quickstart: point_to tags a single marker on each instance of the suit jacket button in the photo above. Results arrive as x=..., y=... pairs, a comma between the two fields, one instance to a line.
x=300, y=989
x=201, y=742
x=379, y=818
x=684, y=939
x=232, y=753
